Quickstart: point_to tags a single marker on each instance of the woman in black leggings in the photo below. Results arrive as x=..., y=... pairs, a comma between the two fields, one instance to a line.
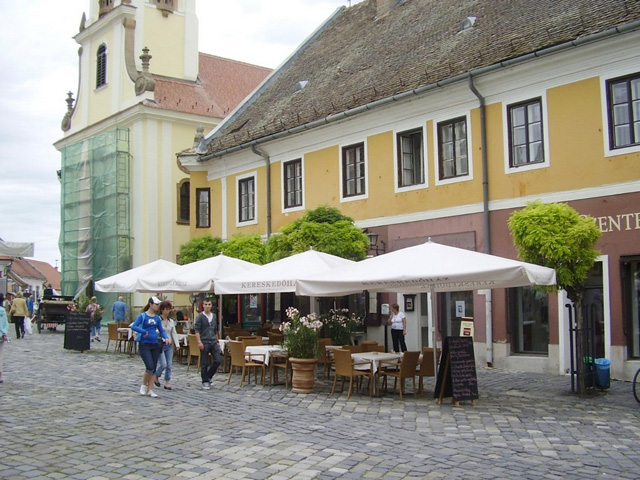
x=398, y=323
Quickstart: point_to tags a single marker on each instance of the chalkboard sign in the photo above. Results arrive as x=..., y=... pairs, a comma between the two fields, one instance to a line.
x=77, y=331
x=457, y=373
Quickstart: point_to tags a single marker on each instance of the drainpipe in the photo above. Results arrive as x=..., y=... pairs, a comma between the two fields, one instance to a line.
x=485, y=208
x=267, y=162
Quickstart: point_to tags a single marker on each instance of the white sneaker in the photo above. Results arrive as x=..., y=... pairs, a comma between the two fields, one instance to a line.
x=143, y=389
x=152, y=394
x=206, y=386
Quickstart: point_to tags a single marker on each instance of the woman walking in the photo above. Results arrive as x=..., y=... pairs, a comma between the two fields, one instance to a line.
x=166, y=350
x=148, y=325
x=18, y=313
x=4, y=330
x=96, y=318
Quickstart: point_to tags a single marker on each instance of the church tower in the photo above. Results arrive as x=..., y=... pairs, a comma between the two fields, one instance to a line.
x=143, y=91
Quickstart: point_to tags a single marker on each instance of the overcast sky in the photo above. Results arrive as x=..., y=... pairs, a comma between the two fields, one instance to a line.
x=38, y=62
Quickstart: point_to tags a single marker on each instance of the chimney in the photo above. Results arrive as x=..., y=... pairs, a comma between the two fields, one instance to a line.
x=385, y=6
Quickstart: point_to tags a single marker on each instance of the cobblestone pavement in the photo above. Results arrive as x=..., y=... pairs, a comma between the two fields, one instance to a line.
x=66, y=414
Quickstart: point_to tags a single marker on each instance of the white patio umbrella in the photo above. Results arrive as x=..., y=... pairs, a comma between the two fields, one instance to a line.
x=429, y=267
x=198, y=276
x=127, y=281
x=281, y=275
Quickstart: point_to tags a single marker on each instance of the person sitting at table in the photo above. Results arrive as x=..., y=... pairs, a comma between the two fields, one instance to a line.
x=398, y=323
x=206, y=327
x=148, y=325
x=165, y=359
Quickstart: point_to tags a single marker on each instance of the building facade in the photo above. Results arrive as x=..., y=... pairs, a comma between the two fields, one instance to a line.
x=144, y=93
x=429, y=119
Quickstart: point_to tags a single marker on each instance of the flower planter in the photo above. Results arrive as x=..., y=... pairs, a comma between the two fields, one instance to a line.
x=303, y=374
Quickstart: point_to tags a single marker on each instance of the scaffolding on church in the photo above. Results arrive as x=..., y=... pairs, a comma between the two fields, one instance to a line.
x=95, y=234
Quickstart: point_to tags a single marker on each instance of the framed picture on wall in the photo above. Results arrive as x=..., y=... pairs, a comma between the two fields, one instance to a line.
x=409, y=303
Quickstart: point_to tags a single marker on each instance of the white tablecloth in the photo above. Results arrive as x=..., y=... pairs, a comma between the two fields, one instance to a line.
x=375, y=358
x=263, y=350
x=128, y=331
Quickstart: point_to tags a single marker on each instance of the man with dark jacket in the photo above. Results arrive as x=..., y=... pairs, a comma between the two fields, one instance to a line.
x=206, y=327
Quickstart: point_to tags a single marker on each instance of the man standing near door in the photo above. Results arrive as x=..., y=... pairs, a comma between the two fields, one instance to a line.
x=206, y=328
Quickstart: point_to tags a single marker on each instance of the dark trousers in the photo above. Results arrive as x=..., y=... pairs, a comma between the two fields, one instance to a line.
x=398, y=341
x=19, y=323
x=208, y=371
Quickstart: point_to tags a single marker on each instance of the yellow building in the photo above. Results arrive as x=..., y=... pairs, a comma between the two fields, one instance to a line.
x=438, y=119
x=144, y=92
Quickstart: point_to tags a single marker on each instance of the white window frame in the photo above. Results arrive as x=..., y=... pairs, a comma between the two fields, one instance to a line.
x=425, y=165
x=608, y=151
x=239, y=178
x=436, y=155
x=283, y=190
x=365, y=195
x=545, y=132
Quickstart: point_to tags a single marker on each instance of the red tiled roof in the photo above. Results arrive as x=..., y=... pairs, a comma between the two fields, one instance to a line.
x=222, y=84
x=51, y=273
x=34, y=269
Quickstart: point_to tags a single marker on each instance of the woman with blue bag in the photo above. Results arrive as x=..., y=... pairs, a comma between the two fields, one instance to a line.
x=148, y=325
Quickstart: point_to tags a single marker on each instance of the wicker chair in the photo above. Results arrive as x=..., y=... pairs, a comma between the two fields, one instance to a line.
x=346, y=368
x=405, y=368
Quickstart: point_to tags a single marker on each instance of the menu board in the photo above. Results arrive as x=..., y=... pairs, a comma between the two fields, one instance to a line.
x=457, y=376
x=77, y=331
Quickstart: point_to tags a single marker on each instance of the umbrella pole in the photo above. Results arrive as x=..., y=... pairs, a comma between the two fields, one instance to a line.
x=220, y=316
x=432, y=301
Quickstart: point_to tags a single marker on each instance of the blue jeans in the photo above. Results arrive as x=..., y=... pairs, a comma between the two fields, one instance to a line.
x=150, y=353
x=95, y=328
x=164, y=361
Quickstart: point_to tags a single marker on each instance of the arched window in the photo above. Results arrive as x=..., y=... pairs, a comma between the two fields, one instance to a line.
x=101, y=66
x=184, y=197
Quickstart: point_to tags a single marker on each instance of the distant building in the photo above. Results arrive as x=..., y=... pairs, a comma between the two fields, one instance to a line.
x=28, y=275
x=145, y=93
x=423, y=118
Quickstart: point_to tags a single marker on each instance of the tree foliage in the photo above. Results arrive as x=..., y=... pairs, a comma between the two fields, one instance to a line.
x=324, y=229
x=245, y=247
x=200, y=248
x=557, y=236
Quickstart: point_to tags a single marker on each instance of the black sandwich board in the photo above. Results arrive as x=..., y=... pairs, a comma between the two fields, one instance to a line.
x=77, y=331
x=457, y=373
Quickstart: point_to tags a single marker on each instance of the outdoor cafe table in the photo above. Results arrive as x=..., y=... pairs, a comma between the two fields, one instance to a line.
x=265, y=350
x=375, y=358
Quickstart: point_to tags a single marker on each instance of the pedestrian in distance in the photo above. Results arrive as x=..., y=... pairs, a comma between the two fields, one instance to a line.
x=30, y=307
x=206, y=328
x=120, y=311
x=4, y=330
x=149, y=327
x=398, y=323
x=96, y=311
x=165, y=360
x=18, y=313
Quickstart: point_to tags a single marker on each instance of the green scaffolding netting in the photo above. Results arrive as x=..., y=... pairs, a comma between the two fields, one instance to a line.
x=95, y=234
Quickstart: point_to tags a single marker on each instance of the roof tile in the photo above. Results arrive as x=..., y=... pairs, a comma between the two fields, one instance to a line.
x=358, y=59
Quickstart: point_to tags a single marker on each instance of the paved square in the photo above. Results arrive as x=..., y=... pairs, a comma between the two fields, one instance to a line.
x=66, y=414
